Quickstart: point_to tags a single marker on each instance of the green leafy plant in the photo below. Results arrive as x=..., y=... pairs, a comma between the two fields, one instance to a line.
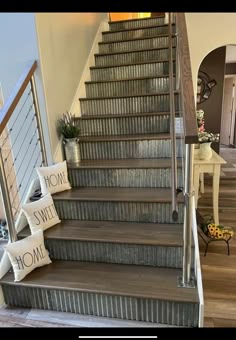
x=67, y=126
x=204, y=222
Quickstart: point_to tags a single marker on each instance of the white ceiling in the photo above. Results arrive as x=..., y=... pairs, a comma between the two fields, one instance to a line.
x=230, y=54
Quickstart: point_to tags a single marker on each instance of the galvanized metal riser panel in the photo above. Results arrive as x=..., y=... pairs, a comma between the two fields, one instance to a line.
x=132, y=57
x=127, y=87
x=138, y=254
x=124, y=125
x=113, y=306
x=125, y=178
x=138, y=44
x=117, y=211
x=131, y=71
x=128, y=149
x=134, y=34
x=136, y=23
x=123, y=105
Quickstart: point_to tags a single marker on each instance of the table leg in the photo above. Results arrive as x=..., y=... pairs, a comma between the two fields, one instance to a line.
x=202, y=183
x=216, y=184
x=196, y=177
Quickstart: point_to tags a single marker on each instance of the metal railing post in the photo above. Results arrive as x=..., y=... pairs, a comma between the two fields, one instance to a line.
x=39, y=122
x=7, y=201
x=186, y=278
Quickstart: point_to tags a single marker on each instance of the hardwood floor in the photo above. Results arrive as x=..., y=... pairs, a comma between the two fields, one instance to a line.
x=25, y=317
x=218, y=269
x=229, y=154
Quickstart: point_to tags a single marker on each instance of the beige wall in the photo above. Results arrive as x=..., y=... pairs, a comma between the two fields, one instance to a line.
x=65, y=40
x=207, y=31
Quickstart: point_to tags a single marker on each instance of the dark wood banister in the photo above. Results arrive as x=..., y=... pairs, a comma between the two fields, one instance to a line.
x=172, y=125
x=189, y=112
x=15, y=96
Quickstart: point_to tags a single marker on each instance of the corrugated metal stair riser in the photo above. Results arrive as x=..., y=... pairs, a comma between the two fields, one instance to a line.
x=132, y=57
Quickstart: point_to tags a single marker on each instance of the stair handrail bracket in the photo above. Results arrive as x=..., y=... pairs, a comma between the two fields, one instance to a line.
x=22, y=145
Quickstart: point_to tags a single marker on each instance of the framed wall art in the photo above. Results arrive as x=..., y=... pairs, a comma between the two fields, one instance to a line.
x=205, y=85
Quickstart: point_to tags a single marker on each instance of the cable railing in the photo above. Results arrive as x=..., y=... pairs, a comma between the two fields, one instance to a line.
x=189, y=137
x=22, y=147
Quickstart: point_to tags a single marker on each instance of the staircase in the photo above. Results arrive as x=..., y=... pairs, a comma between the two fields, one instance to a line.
x=117, y=252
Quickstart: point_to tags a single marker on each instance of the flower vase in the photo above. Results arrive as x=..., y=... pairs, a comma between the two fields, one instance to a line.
x=205, y=151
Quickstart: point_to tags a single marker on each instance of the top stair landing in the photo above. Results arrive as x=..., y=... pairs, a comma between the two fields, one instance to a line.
x=135, y=23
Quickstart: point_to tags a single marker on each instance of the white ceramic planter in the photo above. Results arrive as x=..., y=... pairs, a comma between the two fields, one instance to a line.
x=205, y=151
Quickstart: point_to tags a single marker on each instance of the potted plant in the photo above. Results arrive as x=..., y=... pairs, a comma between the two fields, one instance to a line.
x=67, y=126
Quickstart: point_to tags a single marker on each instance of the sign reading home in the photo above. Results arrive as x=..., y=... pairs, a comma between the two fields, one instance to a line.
x=30, y=258
x=53, y=178
x=27, y=254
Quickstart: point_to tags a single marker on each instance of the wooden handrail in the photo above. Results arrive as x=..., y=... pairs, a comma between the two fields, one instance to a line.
x=15, y=96
x=172, y=125
x=189, y=114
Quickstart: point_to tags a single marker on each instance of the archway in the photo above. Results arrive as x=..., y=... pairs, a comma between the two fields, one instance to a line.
x=216, y=95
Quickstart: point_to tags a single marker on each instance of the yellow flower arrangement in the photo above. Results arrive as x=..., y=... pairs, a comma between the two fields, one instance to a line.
x=213, y=231
x=219, y=231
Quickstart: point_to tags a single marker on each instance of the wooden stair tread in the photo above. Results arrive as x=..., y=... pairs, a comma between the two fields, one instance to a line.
x=125, y=164
x=131, y=51
x=124, y=80
x=130, y=64
x=136, y=28
x=124, y=280
x=135, y=39
x=125, y=137
x=161, y=93
x=114, y=194
x=124, y=115
x=115, y=232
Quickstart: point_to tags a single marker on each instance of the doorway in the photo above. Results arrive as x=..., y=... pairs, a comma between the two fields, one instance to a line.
x=115, y=16
x=228, y=112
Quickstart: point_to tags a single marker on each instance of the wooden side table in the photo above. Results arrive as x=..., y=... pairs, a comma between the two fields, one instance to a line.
x=211, y=166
